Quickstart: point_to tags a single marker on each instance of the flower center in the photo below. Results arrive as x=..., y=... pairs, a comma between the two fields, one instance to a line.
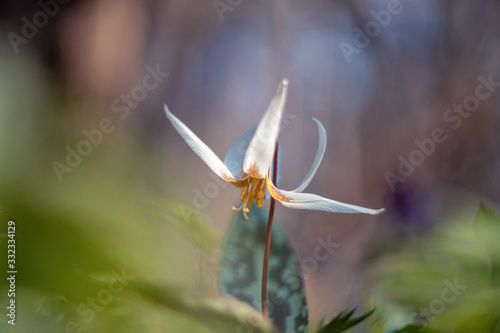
x=253, y=188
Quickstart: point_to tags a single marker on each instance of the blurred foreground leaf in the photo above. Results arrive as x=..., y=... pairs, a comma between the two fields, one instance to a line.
x=415, y=329
x=241, y=271
x=188, y=221
x=343, y=321
x=448, y=281
x=221, y=314
x=487, y=228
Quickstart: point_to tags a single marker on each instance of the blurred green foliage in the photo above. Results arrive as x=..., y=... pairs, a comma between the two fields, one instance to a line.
x=96, y=252
x=447, y=281
x=343, y=322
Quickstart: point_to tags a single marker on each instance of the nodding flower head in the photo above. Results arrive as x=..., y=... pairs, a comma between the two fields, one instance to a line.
x=254, y=173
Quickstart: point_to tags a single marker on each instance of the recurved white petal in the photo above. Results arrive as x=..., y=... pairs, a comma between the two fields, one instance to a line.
x=201, y=149
x=236, y=154
x=314, y=202
x=261, y=149
x=317, y=159
x=278, y=175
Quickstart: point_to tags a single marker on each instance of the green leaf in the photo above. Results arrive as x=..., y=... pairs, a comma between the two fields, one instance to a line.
x=220, y=314
x=486, y=223
x=481, y=322
x=417, y=277
x=486, y=217
x=415, y=329
x=241, y=271
x=487, y=230
x=343, y=321
x=187, y=221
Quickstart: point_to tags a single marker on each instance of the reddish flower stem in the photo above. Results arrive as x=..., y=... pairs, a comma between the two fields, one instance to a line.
x=263, y=295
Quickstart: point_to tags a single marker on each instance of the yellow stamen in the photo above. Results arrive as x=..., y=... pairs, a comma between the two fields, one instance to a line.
x=253, y=190
x=259, y=197
x=244, y=194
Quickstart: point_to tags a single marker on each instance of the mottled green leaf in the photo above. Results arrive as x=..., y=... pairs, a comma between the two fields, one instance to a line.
x=343, y=321
x=241, y=271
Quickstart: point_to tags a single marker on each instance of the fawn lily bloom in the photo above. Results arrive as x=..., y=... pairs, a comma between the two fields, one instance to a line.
x=253, y=164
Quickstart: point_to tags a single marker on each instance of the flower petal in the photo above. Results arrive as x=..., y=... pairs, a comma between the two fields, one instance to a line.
x=317, y=159
x=260, y=152
x=236, y=153
x=314, y=202
x=201, y=149
x=278, y=176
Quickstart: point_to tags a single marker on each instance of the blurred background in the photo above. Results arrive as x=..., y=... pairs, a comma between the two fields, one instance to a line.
x=97, y=180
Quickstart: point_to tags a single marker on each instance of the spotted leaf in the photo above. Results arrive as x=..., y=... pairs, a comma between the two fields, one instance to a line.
x=241, y=271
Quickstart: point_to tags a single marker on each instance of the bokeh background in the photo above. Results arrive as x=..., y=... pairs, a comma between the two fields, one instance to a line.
x=125, y=205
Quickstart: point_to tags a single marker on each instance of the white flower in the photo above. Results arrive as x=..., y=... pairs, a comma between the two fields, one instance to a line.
x=253, y=168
